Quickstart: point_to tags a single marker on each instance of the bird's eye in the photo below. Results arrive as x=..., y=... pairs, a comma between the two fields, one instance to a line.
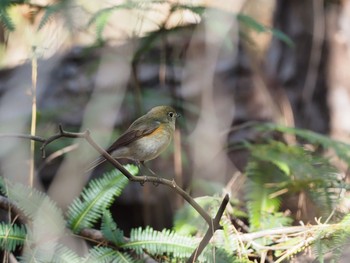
x=171, y=114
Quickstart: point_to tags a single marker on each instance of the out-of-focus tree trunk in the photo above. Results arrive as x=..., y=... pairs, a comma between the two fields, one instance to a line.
x=301, y=70
x=338, y=25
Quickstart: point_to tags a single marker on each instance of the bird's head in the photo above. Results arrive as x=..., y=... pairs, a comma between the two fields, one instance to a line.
x=164, y=114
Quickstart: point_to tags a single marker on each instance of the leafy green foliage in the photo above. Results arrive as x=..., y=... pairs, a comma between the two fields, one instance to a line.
x=50, y=11
x=11, y=236
x=251, y=23
x=332, y=239
x=277, y=167
x=96, y=198
x=65, y=255
x=100, y=18
x=342, y=150
x=160, y=242
x=261, y=207
x=5, y=18
x=108, y=255
x=110, y=230
x=49, y=252
x=44, y=213
x=187, y=220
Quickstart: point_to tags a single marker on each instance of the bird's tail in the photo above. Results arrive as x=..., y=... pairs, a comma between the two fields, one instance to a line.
x=95, y=163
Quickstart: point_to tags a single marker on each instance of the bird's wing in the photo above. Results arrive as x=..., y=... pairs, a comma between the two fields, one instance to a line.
x=136, y=130
x=133, y=133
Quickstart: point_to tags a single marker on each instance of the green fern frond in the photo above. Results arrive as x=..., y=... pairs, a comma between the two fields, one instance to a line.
x=173, y=246
x=213, y=254
x=95, y=198
x=11, y=236
x=298, y=170
x=332, y=240
x=108, y=255
x=37, y=206
x=50, y=11
x=293, y=160
x=48, y=251
x=250, y=22
x=100, y=18
x=6, y=20
x=187, y=221
x=262, y=208
x=346, y=221
x=110, y=230
x=158, y=243
x=341, y=149
x=65, y=255
x=227, y=238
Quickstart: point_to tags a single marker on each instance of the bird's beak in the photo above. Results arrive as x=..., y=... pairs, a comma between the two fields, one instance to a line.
x=178, y=115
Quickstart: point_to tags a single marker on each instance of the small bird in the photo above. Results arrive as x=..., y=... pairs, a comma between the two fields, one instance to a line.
x=146, y=138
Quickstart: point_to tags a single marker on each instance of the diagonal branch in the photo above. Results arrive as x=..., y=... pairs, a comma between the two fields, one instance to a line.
x=215, y=225
x=7, y=205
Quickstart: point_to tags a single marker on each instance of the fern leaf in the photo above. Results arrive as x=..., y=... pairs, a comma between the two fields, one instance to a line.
x=65, y=255
x=50, y=11
x=174, y=246
x=11, y=236
x=158, y=243
x=262, y=208
x=260, y=28
x=213, y=254
x=48, y=251
x=95, y=198
x=299, y=170
x=100, y=18
x=108, y=255
x=6, y=20
x=110, y=230
x=46, y=216
x=332, y=240
x=341, y=149
x=188, y=222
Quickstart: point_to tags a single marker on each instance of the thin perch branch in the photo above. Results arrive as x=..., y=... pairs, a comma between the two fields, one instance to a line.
x=215, y=225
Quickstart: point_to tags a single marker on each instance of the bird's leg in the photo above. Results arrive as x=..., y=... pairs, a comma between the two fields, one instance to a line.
x=153, y=173
x=138, y=164
x=143, y=164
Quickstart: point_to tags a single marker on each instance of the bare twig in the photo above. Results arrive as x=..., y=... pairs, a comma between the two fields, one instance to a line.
x=23, y=136
x=34, y=115
x=215, y=225
x=96, y=236
x=58, y=153
x=7, y=205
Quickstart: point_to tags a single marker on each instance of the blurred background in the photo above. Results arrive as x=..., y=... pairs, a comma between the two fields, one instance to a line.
x=223, y=65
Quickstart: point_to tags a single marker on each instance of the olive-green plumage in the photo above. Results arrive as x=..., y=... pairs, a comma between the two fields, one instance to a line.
x=146, y=138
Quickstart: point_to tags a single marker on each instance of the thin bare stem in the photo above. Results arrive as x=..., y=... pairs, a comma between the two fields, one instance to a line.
x=213, y=226
x=34, y=113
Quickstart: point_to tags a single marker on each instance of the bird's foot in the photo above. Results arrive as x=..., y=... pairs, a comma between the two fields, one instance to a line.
x=142, y=183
